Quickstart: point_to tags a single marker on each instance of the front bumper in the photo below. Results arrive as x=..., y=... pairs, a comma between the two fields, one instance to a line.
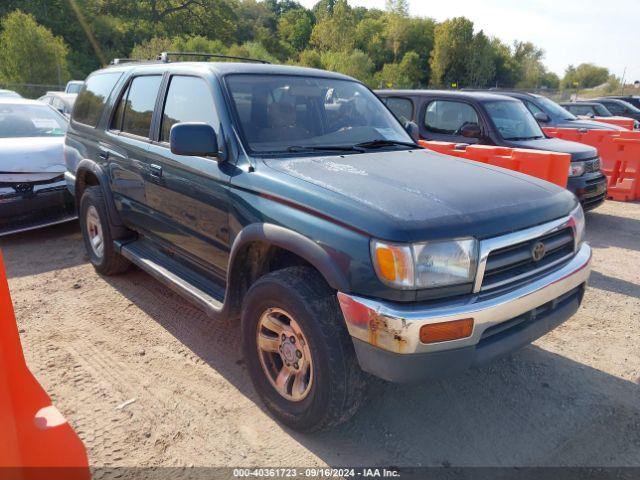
x=389, y=346
x=43, y=205
x=590, y=188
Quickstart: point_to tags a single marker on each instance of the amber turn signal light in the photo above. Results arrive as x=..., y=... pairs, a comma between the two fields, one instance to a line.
x=444, y=331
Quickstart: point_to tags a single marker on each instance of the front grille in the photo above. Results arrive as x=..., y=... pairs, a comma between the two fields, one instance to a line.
x=592, y=166
x=515, y=263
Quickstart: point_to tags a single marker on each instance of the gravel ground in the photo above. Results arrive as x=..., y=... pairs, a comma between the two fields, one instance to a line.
x=148, y=380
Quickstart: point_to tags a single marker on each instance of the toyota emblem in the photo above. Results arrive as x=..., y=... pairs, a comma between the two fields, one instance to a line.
x=23, y=187
x=538, y=251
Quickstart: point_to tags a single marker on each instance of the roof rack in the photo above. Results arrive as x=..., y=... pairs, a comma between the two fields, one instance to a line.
x=164, y=56
x=118, y=61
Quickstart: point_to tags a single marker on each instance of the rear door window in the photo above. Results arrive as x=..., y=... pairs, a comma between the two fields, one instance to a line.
x=402, y=108
x=615, y=108
x=139, y=103
x=92, y=98
x=447, y=117
x=188, y=100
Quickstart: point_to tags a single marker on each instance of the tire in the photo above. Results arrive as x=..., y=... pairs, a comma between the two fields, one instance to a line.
x=335, y=383
x=93, y=215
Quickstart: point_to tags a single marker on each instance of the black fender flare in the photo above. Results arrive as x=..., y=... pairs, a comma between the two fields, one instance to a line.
x=294, y=242
x=87, y=165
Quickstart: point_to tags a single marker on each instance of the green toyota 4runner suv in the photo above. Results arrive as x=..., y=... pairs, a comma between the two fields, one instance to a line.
x=293, y=200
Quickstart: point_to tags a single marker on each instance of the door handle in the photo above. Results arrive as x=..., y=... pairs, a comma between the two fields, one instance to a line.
x=155, y=171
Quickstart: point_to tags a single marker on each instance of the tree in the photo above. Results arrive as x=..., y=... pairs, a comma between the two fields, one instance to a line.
x=482, y=63
x=451, y=51
x=585, y=75
x=336, y=30
x=528, y=57
x=30, y=53
x=295, y=26
x=405, y=74
x=356, y=64
x=397, y=15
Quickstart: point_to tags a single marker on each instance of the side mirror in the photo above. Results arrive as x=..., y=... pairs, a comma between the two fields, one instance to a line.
x=591, y=115
x=471, y=130
x=413, y=131
x=193, y=138
x=541, y=117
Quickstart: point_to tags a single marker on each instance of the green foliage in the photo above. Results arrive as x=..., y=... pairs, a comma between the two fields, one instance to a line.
x=585, y=75
x=381, y=47
x=30, y=53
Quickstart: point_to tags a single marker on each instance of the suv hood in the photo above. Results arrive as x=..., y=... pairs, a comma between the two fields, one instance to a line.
x=31, y=159
x=588, y=124
x=420, y=195
x=578, y=151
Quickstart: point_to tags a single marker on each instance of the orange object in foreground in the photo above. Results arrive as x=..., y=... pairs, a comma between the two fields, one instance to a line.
x=36, y=442
x=619, y=155
x=550, y=166
x=445, y=331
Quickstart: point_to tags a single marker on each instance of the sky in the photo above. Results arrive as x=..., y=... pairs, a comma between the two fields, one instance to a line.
x=606, y=33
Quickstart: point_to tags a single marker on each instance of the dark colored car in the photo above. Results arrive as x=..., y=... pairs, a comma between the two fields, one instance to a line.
x=491, y=119
x=595, y=109
x=61, y=101
x=549, y=114
x=632, y=99
x=293, y=200
x=33, y=192
x=619, y=107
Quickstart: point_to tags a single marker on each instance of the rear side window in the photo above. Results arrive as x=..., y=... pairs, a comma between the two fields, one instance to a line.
x=137, y=104
x=615, y=108
x=92, y=98
x=402, y=108
x=533, y=108
x=580, y=109
x=444, y=116
x=188, y=100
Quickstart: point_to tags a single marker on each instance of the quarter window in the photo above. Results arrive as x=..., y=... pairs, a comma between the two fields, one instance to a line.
x=402, y=108
x=139, y=103
x=188, y=100
x=443, y=116
x=92, y=98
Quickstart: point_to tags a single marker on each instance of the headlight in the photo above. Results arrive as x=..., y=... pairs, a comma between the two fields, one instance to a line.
x=636, y=125
x=577, y=217
x=425, y=265
x=576, y=169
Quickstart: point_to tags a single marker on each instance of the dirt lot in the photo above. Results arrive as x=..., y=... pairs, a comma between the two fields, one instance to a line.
x=572, y=398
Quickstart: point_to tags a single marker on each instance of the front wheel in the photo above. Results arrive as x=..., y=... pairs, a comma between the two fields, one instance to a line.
x=298, y=352
x=97, y=234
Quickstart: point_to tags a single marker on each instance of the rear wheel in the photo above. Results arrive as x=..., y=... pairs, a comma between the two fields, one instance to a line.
x=298, y=352
x=97, y=234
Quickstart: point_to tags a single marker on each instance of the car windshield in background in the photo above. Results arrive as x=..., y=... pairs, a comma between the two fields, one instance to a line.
x=280, y=114
x=30, y=121
x=601, y=110
x=513, y=120
x=555, y=109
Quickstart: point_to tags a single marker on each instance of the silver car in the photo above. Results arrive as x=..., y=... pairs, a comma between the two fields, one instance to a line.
x=33, y=192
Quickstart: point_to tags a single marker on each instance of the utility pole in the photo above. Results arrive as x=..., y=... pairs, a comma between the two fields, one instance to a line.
x=624, y=74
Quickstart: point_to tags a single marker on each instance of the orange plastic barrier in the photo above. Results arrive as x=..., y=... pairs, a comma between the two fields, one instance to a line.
x=550, y=166
x=623, y=122
x=619, y=154
x=36, y=442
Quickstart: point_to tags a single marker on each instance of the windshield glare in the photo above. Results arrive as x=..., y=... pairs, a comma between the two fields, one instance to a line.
x=30, y=121
x=513, y=120
x=278, y=112
x=556, y=110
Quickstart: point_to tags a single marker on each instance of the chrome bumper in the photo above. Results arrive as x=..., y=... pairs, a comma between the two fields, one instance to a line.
x=396, y=327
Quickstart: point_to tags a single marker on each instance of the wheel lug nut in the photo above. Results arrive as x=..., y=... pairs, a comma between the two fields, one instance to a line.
x=292, y=339
x=295, y=365
x=298, y=354
x=284, y=337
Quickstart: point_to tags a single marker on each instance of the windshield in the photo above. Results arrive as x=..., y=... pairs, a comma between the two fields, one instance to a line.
x=30, y=121
x=74, y=88
x=631, y=107
x=280, y=113
x=513, y=120
x=555, y=110
x=601, y=110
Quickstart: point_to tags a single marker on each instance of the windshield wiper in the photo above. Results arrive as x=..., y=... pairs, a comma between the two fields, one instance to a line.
x=537, y=137
x=328, y=148
x=384, y=143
